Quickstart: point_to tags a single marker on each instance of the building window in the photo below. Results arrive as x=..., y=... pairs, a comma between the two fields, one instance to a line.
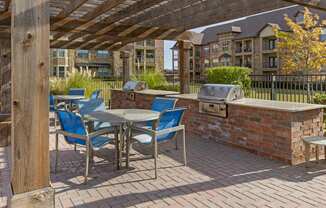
x=54, y=71
x=215, y=61
x=215, y=47
x=225, y=60
x=271, y=44
x=206, y=62
x=102, y=54
x=82, y=53
x=225, y=45
x=62, y=71
x=61, y=53
x=272, y=61
x=206, y=50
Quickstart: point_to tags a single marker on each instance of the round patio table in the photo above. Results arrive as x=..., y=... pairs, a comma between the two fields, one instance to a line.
x=121, y=117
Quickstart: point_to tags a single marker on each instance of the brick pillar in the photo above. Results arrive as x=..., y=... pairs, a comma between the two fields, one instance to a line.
x=184, y=66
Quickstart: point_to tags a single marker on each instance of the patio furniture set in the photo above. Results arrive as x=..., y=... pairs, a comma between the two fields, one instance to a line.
x=87, y=123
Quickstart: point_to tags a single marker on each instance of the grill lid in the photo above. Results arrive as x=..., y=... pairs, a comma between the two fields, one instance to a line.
x=220, y=92
x=134, y=86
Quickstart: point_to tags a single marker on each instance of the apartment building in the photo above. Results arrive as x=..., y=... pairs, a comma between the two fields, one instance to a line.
x=248, y=42
x=143, y=56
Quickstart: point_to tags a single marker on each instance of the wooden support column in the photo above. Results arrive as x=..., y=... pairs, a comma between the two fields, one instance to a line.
x=30, y=106
x=184, y=66
x=124, y=55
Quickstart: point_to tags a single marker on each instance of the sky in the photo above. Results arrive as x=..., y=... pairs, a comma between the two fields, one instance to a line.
x=168, y=44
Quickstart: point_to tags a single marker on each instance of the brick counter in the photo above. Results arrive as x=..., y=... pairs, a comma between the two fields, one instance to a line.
x=270, y=133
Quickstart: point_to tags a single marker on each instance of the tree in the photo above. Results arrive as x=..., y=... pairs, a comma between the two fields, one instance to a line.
x=302, y=50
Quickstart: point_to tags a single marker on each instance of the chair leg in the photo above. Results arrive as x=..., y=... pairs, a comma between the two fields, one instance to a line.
x=75, y=147
x=317, y=154
x=56, y=152
x=128, y=141
x=184, y=147
x=87, y=161
x=176, y=143
x=116, y=137
x=155, y=156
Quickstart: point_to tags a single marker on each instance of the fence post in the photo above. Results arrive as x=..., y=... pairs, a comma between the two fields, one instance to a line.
x=273, y=92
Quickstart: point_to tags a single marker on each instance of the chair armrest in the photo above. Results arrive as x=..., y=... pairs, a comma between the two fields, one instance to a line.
x=99, y=133
x=169, y=130
x=160, y=132
x=71, y=135
x=144, y=130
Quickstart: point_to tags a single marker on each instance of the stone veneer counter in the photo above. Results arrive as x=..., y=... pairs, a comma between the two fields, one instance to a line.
x=267, y=128
x=276, y=105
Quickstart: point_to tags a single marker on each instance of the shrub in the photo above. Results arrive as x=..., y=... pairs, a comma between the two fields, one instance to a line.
x=230, y=75
x=320, y=98
x=74, y=79
x=152, y=79
x=168, y=87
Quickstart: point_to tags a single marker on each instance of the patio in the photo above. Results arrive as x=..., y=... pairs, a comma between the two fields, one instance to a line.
x=28, y=28
x=217, y=176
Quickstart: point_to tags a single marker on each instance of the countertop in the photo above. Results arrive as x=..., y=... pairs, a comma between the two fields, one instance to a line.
x=154, y=92
x=265, y=104
x=276, y=105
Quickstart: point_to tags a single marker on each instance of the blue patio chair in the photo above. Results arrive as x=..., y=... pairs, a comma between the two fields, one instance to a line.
x=74, y=131
x=161, y=104
x=91, y=106
x=94, y=95
x=52, y=103
x=169, y=124
x=77, y=91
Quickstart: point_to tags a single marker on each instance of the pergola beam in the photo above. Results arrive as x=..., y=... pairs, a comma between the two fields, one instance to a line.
x=90, y=17
x=63, y=17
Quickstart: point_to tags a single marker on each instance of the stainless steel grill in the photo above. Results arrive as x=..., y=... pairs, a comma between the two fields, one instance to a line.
x=214, y=97
x=132, y=86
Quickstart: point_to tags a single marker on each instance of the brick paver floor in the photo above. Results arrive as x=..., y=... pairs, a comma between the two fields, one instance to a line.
x=216, y=176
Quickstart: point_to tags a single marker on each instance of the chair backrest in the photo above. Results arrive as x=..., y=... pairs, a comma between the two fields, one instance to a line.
x=72, y=123
x=95, y=94
x=77, y=91
x=161, y=104
x=170, y=119
x=91, y=106
x=51, y=103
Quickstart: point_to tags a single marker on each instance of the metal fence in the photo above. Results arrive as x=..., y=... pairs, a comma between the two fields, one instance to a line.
x=292, y=88
x=106, y=87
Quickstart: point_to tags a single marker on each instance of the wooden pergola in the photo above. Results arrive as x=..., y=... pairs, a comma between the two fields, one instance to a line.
x=28, y=28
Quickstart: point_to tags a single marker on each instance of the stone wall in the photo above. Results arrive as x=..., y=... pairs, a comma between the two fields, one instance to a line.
x=269, y=133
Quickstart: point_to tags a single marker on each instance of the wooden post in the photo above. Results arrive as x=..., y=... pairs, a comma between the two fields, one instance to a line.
x=124, y=55
x=30, y=106
x=184, y=65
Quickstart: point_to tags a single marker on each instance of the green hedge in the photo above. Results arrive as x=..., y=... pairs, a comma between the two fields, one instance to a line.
x=153, y=80
x=320, y=98
x=230, y=75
